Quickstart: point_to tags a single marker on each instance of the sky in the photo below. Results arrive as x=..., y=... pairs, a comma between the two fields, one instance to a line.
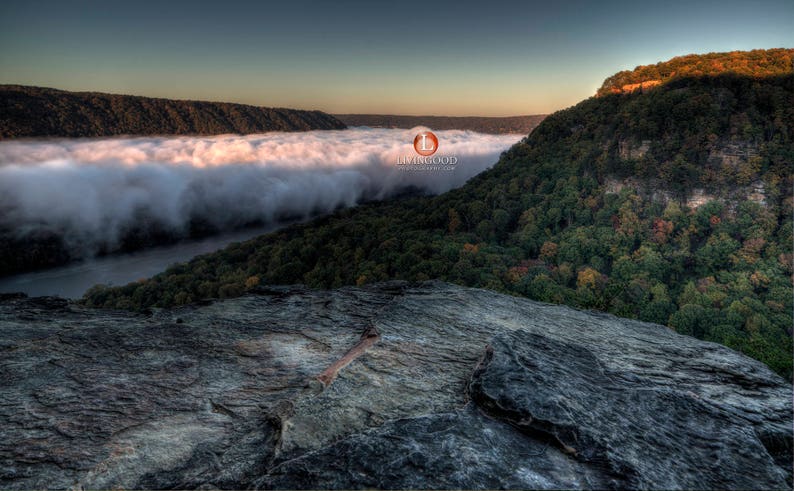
x=489, y=58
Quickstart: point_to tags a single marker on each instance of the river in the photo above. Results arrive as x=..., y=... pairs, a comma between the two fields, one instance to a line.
x=72, y=280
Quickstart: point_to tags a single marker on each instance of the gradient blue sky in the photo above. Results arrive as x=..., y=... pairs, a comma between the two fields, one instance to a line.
x=452, y=58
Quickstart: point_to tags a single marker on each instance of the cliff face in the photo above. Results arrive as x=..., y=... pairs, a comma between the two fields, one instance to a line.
x=390, y=385
x=738, y=159
x=39, y=112
x=635, y=87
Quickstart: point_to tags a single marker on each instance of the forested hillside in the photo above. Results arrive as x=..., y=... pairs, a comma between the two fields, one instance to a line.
x=494, y=125
x=755, y=63
x=671, y=206
x=37, y=112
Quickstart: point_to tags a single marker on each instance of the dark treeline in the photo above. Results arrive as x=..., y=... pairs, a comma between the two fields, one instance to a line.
x=41, y=112
x=503, y=125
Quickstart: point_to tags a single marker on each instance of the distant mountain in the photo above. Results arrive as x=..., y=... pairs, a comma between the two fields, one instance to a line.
x=41, y=112
x=672, y=205
x=505, y=125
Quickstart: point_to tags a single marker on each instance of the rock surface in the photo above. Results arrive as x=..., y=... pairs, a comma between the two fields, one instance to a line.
x=388, y=386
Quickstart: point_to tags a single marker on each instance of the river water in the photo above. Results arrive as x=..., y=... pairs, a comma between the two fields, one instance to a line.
x=72, y=280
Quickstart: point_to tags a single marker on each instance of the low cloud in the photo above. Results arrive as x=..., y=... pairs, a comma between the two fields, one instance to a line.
x=93, y=192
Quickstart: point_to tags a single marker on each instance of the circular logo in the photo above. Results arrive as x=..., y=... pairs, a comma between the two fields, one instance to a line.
x=426, y=143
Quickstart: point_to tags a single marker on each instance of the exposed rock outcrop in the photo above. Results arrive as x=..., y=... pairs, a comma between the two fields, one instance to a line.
x=390, y=385
x=738, y=159
x=635, y=87
x=628, y=149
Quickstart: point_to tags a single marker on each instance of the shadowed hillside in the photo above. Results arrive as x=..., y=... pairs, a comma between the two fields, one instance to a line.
x=38, y=112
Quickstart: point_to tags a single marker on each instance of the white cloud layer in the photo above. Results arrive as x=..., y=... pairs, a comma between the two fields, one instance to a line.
x=92, y=191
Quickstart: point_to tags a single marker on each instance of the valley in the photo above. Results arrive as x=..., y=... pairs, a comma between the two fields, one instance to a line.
x=691, y=244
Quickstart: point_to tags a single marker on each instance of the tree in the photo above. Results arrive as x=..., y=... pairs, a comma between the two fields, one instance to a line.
x=588, y=278
x=454, y=221
x=548, y=251
x=692, y=319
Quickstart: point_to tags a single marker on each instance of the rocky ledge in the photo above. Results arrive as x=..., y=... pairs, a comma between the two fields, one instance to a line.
x=385, y=386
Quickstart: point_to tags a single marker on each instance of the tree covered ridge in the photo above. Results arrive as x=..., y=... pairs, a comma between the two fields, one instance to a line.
x=545, y=223
x=37, y=112
x=755, y=63
x=493, y=125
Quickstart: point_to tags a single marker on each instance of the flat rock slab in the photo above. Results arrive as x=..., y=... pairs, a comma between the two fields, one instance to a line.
x=388, y=386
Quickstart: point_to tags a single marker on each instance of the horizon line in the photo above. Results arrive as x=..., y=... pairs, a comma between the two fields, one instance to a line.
x=218, y=101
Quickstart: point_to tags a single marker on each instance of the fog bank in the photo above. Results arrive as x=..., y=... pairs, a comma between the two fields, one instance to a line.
x=94, y=191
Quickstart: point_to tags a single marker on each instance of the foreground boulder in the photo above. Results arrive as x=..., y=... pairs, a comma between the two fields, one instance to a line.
x=388, y=386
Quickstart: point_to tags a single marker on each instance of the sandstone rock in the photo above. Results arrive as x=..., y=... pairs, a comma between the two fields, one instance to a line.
x=448, y=387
